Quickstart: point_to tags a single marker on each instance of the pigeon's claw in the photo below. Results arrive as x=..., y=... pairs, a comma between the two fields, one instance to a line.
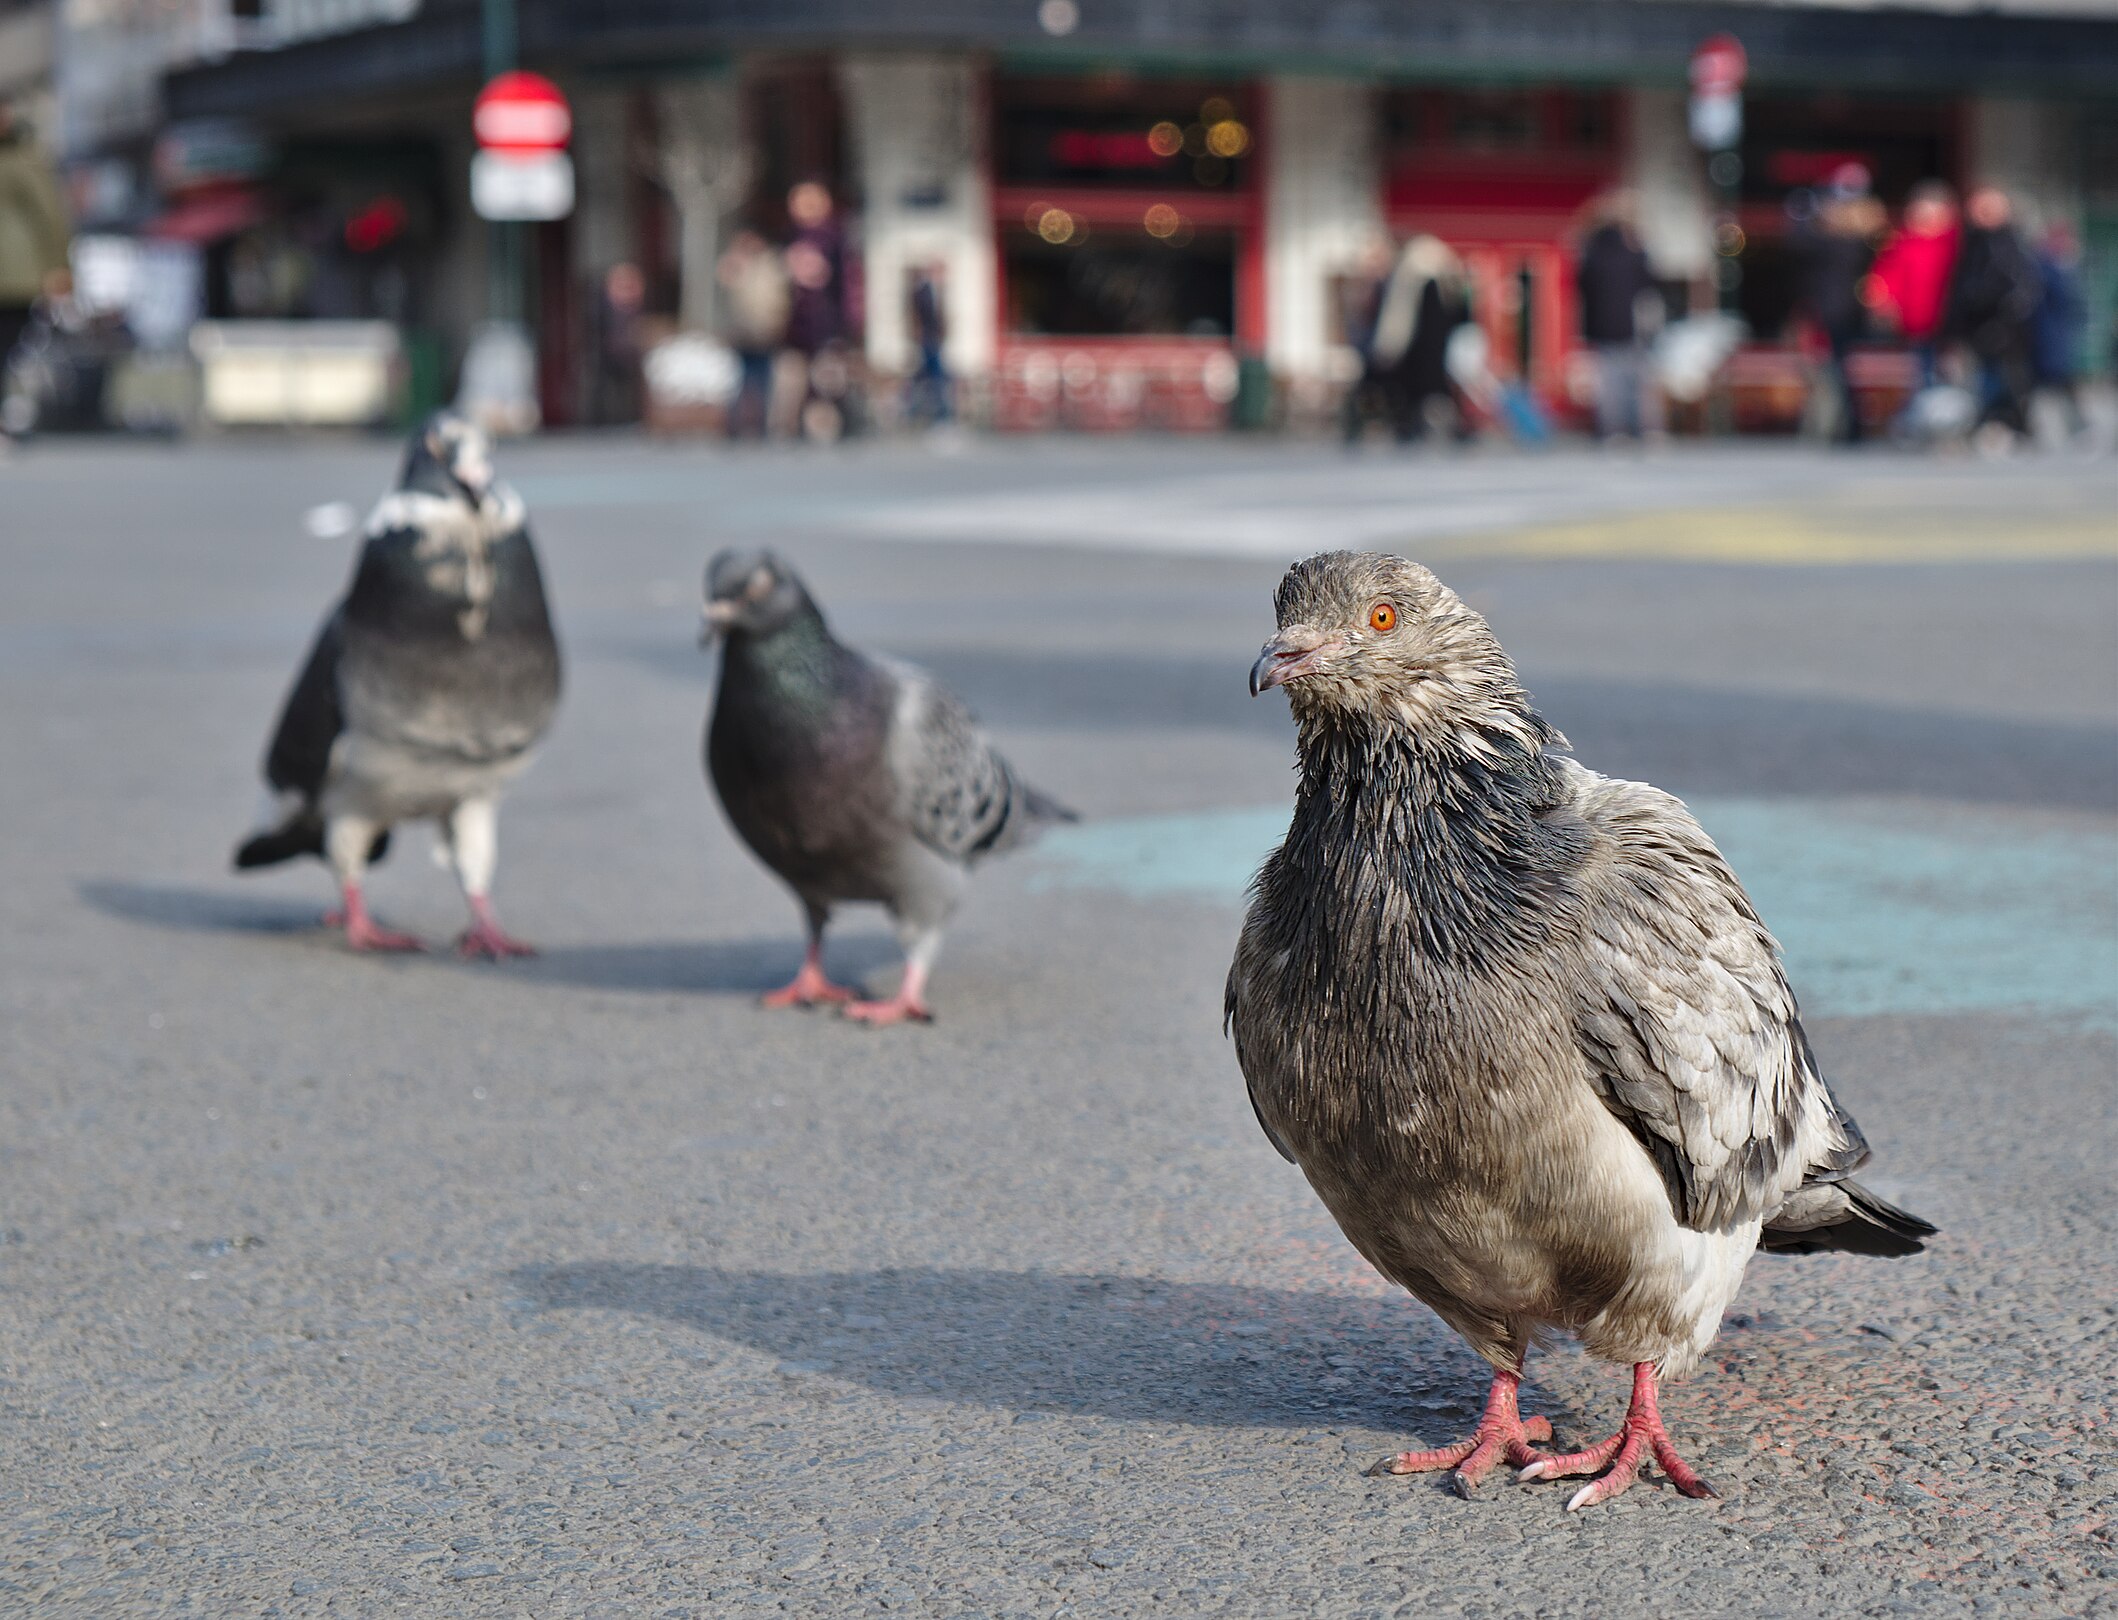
x=1502, y=1432
x=898, y=1009
x=363, y=932
x=808, y=987
x=485, y=939
x=1619, y=1459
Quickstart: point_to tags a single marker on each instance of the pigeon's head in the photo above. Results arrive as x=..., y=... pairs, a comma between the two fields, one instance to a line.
x=449, y=455
x=750, y=593
x=1364, y=634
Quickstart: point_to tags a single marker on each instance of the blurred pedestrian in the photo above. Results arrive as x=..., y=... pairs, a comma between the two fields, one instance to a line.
x=1993, y=299
x=1362, y=307
x=1423, y=302
x=1835, y=254
x=1912, y=274
x=816, y=324
x=614, y=388
x=2059, y=330
x=931, y=392
x=756, y=295
x=34, y=234
x=1613, y=278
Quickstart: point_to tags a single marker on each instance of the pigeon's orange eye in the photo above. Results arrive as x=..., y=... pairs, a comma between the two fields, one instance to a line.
x=1382, y=616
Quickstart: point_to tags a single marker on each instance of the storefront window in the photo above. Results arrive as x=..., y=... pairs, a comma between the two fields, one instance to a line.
x=1114, y=283
x=1163, y=135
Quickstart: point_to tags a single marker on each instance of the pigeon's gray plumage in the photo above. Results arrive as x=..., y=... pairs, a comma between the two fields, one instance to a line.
x=426, y=691
x=853, y=778
x=1518, y=1023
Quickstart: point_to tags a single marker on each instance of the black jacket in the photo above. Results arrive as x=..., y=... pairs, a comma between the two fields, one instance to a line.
x=1612, y=275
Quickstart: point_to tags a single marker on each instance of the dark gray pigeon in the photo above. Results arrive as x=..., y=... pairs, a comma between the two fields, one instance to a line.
x=426, y=692
x=1519, y=1024
x=853, y=778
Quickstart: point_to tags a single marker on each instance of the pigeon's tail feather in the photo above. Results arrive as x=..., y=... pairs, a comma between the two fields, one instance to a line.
x=1038, y=806
x=300, y=833
x=1847, y=1217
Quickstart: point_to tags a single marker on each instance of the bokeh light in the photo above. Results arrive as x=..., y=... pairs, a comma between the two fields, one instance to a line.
x=1055, y=225
x=1227, y=139
x=1165, y=139
x=1161, y=221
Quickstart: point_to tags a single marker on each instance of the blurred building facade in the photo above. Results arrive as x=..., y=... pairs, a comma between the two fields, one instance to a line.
x=1131, y=206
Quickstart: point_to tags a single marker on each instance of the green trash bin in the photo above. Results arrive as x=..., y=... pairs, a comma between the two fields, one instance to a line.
x=1251, y=411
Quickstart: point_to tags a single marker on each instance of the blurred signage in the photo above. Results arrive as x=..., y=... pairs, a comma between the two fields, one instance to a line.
x=521, y=170
x=512, y=185
x=522, y=112
x=203, y=151
x=1718, y=67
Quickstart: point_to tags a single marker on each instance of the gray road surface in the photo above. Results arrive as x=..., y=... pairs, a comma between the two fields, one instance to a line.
x=585, y=1287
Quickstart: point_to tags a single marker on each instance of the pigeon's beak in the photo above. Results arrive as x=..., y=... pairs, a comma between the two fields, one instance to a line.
x=714, y=619
x=1288, y=656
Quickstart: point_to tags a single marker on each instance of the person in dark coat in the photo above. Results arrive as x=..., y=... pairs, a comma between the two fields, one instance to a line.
x=1423, y=302
x=1836, y=254
x=2059, y=330
x=1613, y=274
x=1992, y=302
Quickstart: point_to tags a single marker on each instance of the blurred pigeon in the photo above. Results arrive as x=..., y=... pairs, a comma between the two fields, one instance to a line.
x=853, y=778
x=427, y=689
x=1519, y=1024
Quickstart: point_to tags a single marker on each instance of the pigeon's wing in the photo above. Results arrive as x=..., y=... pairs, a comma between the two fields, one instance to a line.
x=1691, y=1034
x=312, y=718
x=1246, y=1060
x=959, y=796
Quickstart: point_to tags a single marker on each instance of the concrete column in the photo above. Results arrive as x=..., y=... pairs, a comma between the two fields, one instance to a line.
x=1668, y=176
x=2030, y=149
x=1323, y=203
x=912, y=125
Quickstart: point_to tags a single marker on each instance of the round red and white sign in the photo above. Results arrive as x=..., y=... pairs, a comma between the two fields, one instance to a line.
x=1718, y=66
x=522, y=112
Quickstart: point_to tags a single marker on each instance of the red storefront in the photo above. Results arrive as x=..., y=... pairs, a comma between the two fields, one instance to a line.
x=1505, y=177
x=1128, y=233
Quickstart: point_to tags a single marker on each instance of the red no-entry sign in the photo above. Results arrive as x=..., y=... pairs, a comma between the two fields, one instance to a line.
x=1718, y=66
x=521, y=170
x=522, y=112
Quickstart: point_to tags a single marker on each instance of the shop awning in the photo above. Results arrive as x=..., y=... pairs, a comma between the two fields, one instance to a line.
x=208, y=217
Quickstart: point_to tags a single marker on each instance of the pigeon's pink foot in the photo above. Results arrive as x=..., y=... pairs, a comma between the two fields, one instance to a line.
x=899, y=1009
x=1625, y=1453
x=809, y=986
x=486, y=939
x=363, y=933
x=1502, y=1432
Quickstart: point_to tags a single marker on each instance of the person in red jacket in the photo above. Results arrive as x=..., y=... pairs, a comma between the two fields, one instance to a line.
x=1913, y=270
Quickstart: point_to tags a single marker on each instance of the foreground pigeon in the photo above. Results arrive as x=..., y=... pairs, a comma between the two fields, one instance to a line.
x=1519, y=1024
x=853, y=778
x=426, y=692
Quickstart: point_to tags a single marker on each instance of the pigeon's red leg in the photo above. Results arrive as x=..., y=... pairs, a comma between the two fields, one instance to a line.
x=809, y=986
x=909, y=1004
x=1502, y=1432
x=363, y=933
x=1625, y=1453
x=485, y=937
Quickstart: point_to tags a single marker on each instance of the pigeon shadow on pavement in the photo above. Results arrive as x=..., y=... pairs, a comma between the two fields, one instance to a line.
x=725, y=966
x=1135, y=1349
x=711, y=966
x=199, y=910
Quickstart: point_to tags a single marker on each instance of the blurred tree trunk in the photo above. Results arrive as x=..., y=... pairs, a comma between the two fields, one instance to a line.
x=700, y=159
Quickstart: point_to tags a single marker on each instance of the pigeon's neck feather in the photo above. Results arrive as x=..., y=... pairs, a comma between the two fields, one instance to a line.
x=1445, y=849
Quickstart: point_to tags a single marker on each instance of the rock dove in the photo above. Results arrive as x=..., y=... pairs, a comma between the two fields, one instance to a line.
x=427, y=689
x=853, y=778
x=1519, y=1024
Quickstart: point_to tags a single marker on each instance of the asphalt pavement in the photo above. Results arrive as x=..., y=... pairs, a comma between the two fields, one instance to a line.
x=584, y=1286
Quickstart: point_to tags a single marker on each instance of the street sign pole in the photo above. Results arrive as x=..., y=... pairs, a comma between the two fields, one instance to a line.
x=505, y=294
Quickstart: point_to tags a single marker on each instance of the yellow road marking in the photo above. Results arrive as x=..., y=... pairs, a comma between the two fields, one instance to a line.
x=1795, y=537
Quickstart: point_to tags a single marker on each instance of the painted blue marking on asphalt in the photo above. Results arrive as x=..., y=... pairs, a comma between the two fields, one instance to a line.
x=1970, y=913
